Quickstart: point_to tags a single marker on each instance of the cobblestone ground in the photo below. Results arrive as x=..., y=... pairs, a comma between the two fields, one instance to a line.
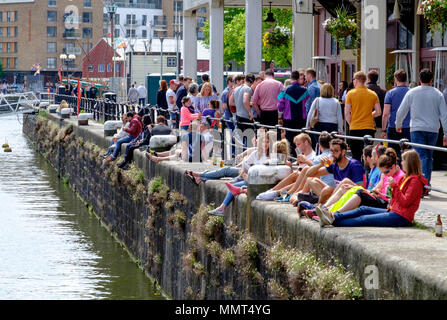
x=435, y=203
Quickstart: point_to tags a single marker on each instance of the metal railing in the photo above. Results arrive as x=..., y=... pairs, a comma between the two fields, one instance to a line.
x=104, y=109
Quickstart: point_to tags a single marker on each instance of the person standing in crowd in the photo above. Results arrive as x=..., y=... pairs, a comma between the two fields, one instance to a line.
x=292, y=107
x=204, y=97
x=172, y=107
x=241, y=98
x=133, y=94
x=142, y=94
x=193, y=91
x=313, y=86
x=342, y=87
x=266, y=97
x=187, y=114
x=206, y=78
x=161, y=98
x=427, y=106
x=182, y=90
x=373, y=77
x=362, y=106
x=393, y=99
x=329, y=113
x=224, y=102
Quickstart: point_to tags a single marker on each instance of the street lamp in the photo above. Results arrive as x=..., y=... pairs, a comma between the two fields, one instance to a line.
x=111, y=10
x=66, y=58
x=160, y=36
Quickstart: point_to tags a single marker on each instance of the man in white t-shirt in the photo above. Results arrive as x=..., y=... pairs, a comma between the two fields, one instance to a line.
x=170, y=98
x=142, y=94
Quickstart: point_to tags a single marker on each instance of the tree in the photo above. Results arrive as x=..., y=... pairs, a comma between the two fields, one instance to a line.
x=2, y=73
x=234, y=37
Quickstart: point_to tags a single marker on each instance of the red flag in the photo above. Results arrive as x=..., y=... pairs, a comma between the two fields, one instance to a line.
x=60, y=74
x=79, y=94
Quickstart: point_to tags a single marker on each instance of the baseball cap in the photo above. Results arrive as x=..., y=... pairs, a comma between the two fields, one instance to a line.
x=172, y=82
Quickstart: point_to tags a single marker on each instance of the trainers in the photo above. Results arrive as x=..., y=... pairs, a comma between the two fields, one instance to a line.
x=304, y=205
x=217, y=212
x=324, y=215
x=268, y=195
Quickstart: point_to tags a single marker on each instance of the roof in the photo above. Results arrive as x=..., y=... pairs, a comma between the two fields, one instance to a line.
x=169, y=46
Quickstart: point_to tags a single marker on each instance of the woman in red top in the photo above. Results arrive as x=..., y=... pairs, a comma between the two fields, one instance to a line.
x=405, y=199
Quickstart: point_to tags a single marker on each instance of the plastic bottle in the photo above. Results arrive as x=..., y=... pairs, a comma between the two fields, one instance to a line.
x=438, y=227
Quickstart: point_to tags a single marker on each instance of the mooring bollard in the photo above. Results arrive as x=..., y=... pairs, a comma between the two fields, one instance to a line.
x=111, y=126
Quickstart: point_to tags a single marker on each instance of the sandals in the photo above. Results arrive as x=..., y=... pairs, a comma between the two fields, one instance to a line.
x=190, y=177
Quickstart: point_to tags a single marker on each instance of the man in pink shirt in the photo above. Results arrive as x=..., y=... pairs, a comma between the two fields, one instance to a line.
x=265, y=99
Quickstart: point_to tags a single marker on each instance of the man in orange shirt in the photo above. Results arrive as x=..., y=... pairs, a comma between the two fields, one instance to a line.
x=362, y=106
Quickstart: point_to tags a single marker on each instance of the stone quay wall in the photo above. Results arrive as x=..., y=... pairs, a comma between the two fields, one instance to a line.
x=258, y=251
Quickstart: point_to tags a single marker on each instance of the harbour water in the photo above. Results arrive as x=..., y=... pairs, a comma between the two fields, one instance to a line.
x=51, y=248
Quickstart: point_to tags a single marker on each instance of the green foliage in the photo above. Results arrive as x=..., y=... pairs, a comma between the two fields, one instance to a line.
x=435, y=11
x=343, y=28
x=390, y=74
x=234, y=37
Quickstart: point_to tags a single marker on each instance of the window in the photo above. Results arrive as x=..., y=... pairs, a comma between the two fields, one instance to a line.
x=178, y=20
x=200, y=36
x=1, y=32
x=178, y=5
x=1, y=16
x=87, y=17
x=109, y=68
x=51, y=3
x=130, y=19
x=201, y=22
x=8, y=32
x=51, y=63
x=201, y=10
x=144, y=20
x=156, y=33
x=172, y=62
x=8, y=47
x=16, y=32
x=117, y=33
x=160, y=20
x=52, y=16
x=130, y=33
x=51, y=32
x=117, y=19
x=101, y=68
x=144, y=33
x=51, y=47
x=87, y=33
x=87, y=3
x=90, y=68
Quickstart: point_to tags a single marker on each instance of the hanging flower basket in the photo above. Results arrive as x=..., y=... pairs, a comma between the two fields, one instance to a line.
x=435, y=11
x=277, y=37
x=343, y=28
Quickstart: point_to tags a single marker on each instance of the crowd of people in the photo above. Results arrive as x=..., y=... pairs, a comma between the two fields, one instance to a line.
x=336, y=182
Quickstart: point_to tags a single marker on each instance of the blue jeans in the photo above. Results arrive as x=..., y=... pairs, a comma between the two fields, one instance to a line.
x=369, y=217
x=229, y=198
x=175, y=117
x=118, y=145
x=228, y=116
x=428, y=138
x=230, y=172
x=142, y=101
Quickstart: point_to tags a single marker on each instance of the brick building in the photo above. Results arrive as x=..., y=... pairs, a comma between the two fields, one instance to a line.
x=39, y=31
x=98, y=64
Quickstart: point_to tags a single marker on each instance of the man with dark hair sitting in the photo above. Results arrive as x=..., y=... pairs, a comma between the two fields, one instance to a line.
x=161, y=129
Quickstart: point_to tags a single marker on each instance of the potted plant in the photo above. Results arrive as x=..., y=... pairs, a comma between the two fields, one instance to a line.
x=343, y=28
x=277, y=37
x=435, y=11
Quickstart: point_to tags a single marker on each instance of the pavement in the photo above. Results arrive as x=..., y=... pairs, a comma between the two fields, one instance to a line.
x=435, y=203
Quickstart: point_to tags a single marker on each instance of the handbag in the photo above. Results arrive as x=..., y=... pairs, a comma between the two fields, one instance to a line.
x=314, y=119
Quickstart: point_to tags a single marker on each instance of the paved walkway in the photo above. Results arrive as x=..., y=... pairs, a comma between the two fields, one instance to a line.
x=435, y=203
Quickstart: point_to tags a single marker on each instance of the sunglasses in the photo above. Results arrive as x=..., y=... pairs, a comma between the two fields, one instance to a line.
x=387, y=171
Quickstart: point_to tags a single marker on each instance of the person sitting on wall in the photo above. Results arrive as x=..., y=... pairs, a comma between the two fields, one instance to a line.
x=305, y=158
x=406, y=194
x=142, y=140
x=126, y=117
x=260, y=156
x=193, y=146
x=134, y=129
x=161, y=128
x=347, y=174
